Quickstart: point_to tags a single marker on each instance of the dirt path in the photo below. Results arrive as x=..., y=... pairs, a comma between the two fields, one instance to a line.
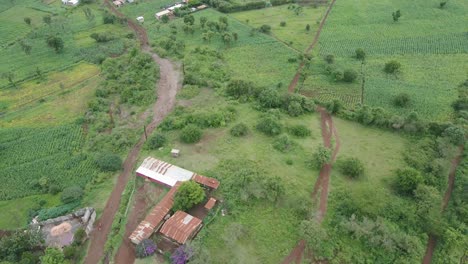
x=432, y=242
x=296, y=78
x=167, y=87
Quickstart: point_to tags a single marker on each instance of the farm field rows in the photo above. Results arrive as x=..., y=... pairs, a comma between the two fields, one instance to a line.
x=428, y=41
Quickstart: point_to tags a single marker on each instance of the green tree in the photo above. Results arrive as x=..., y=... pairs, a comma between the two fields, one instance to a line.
x=320, y=157
x=12, y=247
x=402, y=100
x=349, y=75
x=316, y=238
x=407, y=180
x=360, y=54
x=188, y=195
x=298, y=10
x=455, y=134
x=189, y=20
x=283, y=143
x=428, y=208
x=239, y=88
x=53, y=256
x=203, y=20
x=56, y=43
x=165, y=19
x=235, y=36
x=299, y=131
x=79, y=236
x=334, y=106
x=269, y=98
x=108, y=162
x=227, y=38
x=207, y=36
x=191, y=134
x=308, y=27
x=239, y=130
x=351, y=167
x=25, y=46
x=156, y=141
x=269, y=125
x=71, y=194
x=330, y=58
x=10, y=76
x=392, y=66
x=265, y=29
x=443, y=4
x=47, y=19
x=396, y=15
x=27, y=20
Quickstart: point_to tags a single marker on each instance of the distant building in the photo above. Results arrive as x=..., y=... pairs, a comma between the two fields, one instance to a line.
x=118, y=3
x=166, y=12
x=140, y=19
x=71, y=2
x=181, y=227
x=162, y=172
x=174, y=7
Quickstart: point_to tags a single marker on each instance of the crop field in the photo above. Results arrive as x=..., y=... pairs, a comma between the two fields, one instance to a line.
x=28, y=154
x=429, y=42
x=294, y=33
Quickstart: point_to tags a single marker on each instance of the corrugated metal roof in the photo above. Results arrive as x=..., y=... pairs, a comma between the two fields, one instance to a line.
x=211, y=202
x=147, y=227
x=180, y=227
x=163, y=172
x=207, y=181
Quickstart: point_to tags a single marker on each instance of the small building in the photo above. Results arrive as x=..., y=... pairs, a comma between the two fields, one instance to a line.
x=206, y=181
x=175, y=153
x=159, y=15
x=174, y=7
x=162, y=172
x=210, y=204
x=140, y=19
x=118, y=3
x=130, y=1
x=201, y=7
x=71, y=2
x=181, y=227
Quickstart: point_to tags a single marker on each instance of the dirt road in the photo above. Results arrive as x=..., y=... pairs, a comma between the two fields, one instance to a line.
x=432, y=241
x=168, y=85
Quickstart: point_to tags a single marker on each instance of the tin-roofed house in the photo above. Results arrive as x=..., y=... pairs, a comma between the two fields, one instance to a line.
x=181, y=227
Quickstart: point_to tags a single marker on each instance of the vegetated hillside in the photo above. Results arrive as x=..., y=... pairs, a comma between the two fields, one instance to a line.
x=429, y=43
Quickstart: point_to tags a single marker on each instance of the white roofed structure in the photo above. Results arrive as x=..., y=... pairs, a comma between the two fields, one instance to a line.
x=163, y=172
x=162, y=13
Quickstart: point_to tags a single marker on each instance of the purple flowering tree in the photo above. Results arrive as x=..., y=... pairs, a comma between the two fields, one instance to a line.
x=182, y=255
x=146, y=248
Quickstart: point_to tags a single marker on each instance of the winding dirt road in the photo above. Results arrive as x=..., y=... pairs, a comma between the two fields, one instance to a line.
x=432, y=241
x=168, y=85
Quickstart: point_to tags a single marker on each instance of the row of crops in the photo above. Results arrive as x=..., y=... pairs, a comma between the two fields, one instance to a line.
x=28, y=154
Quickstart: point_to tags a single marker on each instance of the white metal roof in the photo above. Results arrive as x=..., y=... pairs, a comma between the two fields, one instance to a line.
x=163, y=172
x=162, y=13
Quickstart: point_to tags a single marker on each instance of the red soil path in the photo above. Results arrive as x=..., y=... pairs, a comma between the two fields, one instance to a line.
x=432, y=242
x=167, y=87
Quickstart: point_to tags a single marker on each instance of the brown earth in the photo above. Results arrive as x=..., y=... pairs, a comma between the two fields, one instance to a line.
x=167, y=87
x=432, y=241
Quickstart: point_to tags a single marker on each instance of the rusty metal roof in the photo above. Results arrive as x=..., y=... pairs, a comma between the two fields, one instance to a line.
x=147, y=227
x=207, y=181
x=211, y=202
x=180, y=227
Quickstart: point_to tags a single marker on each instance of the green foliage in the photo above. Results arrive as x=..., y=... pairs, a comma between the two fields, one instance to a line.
x=56, y=43
x=428, y=209
x=47, y=19
x=351, y=167
x=240, y=88
x=53, y=256
x=71, y=194
x=189, y=20
x=191, y=134
x=79, y=236
x=282, y=23
x=71, y=252
x=320, y=157
x=316, y=237
x=284, y=144
x=269, y=125
x=189, y=91
x=108, y=162
x=269, y=98
x=265, y=29
x=189, y=194
x=455, y=134
x=334, y=106
x=349, y=75
x=239, y=130
x=396, y=15
x=330, y=58
x=299, y=131
x=156, y=141
x=27, y=20
x=13, y=246
x=407, y=180
x=392, y=66
x=360, y=54
x=402, y=100
x=102, y=37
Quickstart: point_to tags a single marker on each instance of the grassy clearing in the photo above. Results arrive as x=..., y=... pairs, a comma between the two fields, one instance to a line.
x=14, y=213
x=294, y=33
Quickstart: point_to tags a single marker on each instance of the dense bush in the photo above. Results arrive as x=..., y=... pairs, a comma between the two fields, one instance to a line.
x=330, y=58
x=392, y=66
x=71, y=194
x=402, y=100
x=351, y=167
x=407, y=180
x=156, y=141
x=189, y=194
x=102, y=37
x=349, y=75
x=269, y=98
x=79, y=236
x=265, y=29
x=239, y=88
x=455, y=134
x=53, y=212
x=299, y=131
x=334, y=106
x=296, y=104
x=70, y=252
x=108, y=162
x=283, y=143
x=145, y=249
x=239, y=130
x=320, y=157
x=360, y=54
x=191, y=134
x=282, y=23
x=269, y=125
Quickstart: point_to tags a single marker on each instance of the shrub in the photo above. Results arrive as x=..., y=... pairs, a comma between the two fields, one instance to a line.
x=239, y=130
x=71, y=194
x=402, y=100
x=70, y=252
x=53, y=212
x=156, y=141
x=392, y=66
x=338, y=75
x=407, y=180
x=238, y=88
x=191, y=134
x=455, y=134
x=146, y=248
x=349, y=75
x=101, y=37
x=330, y=58
x=351, y=167
x=269, y=98
x=188, y=195
x=269, y=125
x=360, y=54
x=79, y=236
x=283, y=23
x=334, y=106
x=295, y=109
x=283, y=143
x=321, y=157
x=265, y=29
x=108, y=162
x=54, y=189
x=299, y=131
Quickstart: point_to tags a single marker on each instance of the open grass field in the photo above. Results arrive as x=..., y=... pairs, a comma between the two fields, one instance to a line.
x=272, y=229
x=429, y=42
x=294, y=33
